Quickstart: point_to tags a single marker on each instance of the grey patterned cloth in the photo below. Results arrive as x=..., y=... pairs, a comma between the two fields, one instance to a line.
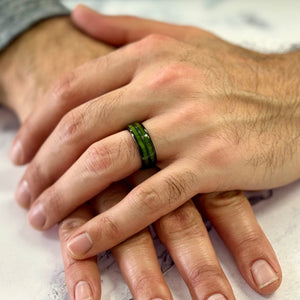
x=16, y=16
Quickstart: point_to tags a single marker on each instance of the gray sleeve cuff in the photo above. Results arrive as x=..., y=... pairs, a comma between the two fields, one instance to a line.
x=16, y=16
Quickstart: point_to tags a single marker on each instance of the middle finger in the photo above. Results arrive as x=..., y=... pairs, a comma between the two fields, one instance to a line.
x=184, y=234
x=78, y=129
x=136, y=256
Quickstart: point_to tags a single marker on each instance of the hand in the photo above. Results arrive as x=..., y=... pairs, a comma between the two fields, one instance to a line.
x=186, y=238
x=86, y=266
x=37, y=67
x=136, y=256
x=213, y=129
x=38, y=58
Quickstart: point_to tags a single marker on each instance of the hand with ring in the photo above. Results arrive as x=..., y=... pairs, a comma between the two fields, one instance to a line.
x=185, y=236
x=213, y=126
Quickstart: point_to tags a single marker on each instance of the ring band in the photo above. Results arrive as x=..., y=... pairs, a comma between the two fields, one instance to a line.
x=144, y=143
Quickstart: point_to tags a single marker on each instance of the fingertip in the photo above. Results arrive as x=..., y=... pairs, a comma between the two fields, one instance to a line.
x=37, y=217
x=79, y=245
x=82, y=7
x=16, y=153
x=266, y=279
x=87, y=20
x=83, y=291
x=22, y=195
x=83, y=279
x=82, y=14
x=78, y=10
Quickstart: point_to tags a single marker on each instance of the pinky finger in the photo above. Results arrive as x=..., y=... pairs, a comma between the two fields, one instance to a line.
x=82, y=277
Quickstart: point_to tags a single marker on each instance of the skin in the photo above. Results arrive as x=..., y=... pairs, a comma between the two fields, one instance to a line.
x=182, y=230
x=246, y=138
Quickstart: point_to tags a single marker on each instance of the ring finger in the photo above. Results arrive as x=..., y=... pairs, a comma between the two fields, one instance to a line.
x=184, y=234
x=136, y=256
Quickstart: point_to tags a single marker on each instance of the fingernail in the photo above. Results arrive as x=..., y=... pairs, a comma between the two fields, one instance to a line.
x=157, y=299
x=22, y=195
x=83, y=291
x=217, y=297
x=263, y=273
x=80, y=244
x=16, y=153
x=37, y=216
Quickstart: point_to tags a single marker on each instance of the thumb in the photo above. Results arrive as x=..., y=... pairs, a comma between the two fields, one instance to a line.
x=121, y=30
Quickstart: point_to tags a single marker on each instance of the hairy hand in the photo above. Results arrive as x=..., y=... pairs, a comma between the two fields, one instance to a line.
x=38, y=58
x=185, y=236
x=211, y=108
x=180, y=78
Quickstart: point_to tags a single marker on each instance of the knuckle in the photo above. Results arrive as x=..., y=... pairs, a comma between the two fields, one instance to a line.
x=155, y=40
x=184, y=222
x=204, y=275
x=111, y=229
x=55, y=200
x=38, y=178
x=34, y=177
x=219, y=153
x=175, y=188
x=143, y=281
x=171, y=75
x=146, y=199
x=62, y=90
x=139, y=240
x=249, y=240
x=70, y=126
x=111, y=196
x=99, y=158
x=216, y=200
x=70, y=266
x=54, y=205
x=67, y=226
x=153, y=46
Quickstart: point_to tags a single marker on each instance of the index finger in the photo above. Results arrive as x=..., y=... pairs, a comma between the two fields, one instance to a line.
x=154, y=198
x=87, y=82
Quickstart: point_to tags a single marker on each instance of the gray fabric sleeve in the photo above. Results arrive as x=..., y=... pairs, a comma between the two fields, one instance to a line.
x=16, y=16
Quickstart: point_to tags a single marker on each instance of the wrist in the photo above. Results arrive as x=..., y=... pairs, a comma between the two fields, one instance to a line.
x=39, y=57
x=282, y=79
x=22, y=61
x=269, y=88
